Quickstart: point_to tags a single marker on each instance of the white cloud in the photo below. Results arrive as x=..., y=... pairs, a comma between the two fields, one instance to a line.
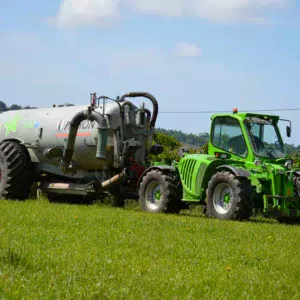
x=91, y=12
x=87, y=12
x=190, y=50
x=215, y=10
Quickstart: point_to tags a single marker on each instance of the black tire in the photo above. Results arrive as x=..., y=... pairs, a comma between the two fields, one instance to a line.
x=62, y=198
x=288, y=221
x=118, y=198
x=237, y=193
x=16, y=172
x=296, y=181
x=165, y=186
x=70, y=199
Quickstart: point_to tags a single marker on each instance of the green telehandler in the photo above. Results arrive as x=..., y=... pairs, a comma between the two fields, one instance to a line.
x=245, y=170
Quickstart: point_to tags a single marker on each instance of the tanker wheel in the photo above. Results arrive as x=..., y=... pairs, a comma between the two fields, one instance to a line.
x=228, y=197
x=70, y=199
x=118, y=198
x=288, y=221
x=158, y=193
x=15, y=172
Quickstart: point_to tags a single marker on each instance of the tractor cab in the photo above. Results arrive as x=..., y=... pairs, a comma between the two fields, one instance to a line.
x=247, y=136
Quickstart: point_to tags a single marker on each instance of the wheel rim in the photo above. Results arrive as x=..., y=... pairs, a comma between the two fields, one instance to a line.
x=222, y=198
x=153, y=195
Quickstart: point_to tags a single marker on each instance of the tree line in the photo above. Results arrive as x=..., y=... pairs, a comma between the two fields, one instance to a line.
x=202, y=139
x=4, y=107
x=187, y=138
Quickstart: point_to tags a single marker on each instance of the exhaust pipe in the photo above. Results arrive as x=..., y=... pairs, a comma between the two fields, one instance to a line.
x=74, y=125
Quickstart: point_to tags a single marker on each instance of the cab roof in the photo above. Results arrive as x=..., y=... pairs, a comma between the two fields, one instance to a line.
x=244, y=115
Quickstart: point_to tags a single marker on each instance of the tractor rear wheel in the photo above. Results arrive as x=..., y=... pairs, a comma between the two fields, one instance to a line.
x=296, y=181
x=15, y=172
x=158, y=193
x=228, y=197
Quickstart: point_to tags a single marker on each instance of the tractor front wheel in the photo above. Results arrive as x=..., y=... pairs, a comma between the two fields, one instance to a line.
x=158, y=193
x=228, y=197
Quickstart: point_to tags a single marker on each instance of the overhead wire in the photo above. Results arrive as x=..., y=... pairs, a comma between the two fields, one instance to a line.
x=228, y=111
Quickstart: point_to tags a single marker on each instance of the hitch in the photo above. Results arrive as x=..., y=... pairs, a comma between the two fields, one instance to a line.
x=281, y=206
x=95, y=187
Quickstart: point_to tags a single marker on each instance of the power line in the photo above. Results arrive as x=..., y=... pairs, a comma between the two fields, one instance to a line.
x=228, y=111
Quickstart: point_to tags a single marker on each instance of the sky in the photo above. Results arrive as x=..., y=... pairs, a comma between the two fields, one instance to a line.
x=192, y=55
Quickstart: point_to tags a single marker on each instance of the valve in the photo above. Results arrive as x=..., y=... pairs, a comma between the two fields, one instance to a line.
x=93, y=100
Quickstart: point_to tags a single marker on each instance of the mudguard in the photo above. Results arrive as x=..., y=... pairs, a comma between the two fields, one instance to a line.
x=30, y=151
x=238, y=171
x=158, y=167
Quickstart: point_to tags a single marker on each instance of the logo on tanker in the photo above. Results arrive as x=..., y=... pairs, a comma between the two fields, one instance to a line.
x=64, y=125
x=11, y=126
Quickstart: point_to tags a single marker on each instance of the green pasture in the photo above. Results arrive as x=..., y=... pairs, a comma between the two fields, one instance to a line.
x=61, y=251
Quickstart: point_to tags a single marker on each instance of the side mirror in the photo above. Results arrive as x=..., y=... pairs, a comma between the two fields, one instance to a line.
x=288, y=128
x=288, y=131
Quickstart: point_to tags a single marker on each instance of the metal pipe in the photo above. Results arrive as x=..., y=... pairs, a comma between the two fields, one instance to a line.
x=74, y=125
x=148, y=96
x=127, y=116
x=148, y=113
x=114, y=180
x=130, y=104
x=65, y=188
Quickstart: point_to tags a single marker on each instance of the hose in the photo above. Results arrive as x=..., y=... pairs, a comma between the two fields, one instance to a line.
x=148, y=96
x=74, y=125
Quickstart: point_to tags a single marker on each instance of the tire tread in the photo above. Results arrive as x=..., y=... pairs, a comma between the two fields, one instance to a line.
x=244, y=205
x=171, y=193
x=18, y=168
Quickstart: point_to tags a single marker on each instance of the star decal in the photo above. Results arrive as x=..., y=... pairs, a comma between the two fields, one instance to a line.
x=11, y=126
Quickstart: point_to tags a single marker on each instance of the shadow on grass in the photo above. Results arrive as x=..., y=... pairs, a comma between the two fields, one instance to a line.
x=11, y=257
x=193, y=211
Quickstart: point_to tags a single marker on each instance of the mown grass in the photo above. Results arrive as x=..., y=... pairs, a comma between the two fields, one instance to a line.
x=60, y=251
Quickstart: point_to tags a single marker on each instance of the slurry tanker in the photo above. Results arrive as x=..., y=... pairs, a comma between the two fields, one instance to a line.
x=77, y=152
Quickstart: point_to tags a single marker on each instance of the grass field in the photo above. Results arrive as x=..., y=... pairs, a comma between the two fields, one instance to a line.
x=58, y=251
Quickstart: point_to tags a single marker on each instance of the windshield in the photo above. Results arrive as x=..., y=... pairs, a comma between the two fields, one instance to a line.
x=265, y=138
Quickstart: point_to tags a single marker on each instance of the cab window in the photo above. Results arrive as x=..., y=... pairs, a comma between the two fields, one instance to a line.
x=227, y=135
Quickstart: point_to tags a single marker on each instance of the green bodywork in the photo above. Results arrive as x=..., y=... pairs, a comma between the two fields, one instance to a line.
x=270, y=178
